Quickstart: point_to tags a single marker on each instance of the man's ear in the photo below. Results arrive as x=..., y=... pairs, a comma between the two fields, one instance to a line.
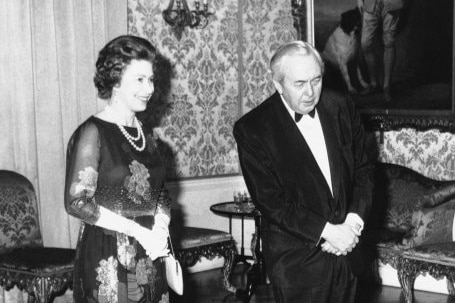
x=278, y=87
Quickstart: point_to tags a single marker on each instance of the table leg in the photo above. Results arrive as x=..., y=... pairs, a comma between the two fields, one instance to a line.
x=228, y=255
x=242, y=249
x=450, y=287
x=254, y=240
x=256, y=275
x=407, y=274
x=41, y=289
x=241, y=257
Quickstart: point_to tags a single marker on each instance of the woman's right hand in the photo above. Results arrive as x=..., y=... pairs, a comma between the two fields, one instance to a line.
x=154, y=241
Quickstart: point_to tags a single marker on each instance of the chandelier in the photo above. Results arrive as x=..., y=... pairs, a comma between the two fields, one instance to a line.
x=182, y=16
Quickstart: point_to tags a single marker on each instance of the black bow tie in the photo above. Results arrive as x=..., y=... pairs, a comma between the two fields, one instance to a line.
x=298, y=116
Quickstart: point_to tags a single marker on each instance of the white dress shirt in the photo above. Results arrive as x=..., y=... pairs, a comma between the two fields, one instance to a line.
x=311, y=130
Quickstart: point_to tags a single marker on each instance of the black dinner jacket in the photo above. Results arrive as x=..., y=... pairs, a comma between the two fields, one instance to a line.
x=290, y=190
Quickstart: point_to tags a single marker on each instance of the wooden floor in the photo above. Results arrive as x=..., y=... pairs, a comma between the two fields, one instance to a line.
x=205, y=287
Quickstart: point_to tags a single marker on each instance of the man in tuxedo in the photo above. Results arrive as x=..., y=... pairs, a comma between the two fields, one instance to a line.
x=303, y=157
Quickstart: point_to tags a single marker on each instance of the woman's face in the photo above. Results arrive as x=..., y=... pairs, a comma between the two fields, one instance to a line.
x=136, y=86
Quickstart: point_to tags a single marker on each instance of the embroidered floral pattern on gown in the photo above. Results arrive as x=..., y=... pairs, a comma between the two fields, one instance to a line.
x=137, y=183
x=107, y=276
x=87, y=182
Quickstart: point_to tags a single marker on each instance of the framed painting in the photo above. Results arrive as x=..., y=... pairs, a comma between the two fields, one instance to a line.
x=396, y=58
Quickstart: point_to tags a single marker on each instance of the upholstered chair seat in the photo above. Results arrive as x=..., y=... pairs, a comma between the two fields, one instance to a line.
x=439, y=253
x=398, y=198
x=192, y=237
x=193, y=243
x=41, y=271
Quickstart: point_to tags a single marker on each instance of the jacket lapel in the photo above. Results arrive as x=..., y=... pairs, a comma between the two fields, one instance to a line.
x=298, y=142
x=328, y=123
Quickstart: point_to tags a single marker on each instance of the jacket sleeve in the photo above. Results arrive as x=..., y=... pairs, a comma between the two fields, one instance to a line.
x=363, y=167
x=266, y=189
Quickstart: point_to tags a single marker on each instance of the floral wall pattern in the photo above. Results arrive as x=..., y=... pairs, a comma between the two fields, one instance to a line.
x=267, y=25
x=431, y=152
x=219, y=73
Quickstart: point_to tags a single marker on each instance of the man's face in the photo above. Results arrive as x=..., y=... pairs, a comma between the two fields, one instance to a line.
x=302, y=83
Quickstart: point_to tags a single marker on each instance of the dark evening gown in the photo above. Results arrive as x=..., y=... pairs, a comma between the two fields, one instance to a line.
x=104, y=169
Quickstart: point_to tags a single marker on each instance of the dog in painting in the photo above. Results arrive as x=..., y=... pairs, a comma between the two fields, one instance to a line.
x=343, y=47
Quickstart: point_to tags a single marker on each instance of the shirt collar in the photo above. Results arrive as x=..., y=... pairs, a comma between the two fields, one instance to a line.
x=292, y=112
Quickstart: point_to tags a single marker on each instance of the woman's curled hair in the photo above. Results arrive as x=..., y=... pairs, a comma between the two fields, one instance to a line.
x=115, y=57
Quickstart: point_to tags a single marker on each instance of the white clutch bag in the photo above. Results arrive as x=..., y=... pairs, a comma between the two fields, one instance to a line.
x=174, y=274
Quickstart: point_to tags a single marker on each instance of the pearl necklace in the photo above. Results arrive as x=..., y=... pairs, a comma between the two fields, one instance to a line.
x=131, y=139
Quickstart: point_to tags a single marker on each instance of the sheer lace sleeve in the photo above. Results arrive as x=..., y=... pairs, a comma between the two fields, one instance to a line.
x=82, y=162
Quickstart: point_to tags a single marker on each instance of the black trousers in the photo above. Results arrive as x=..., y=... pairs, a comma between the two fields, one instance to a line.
x=340, y=287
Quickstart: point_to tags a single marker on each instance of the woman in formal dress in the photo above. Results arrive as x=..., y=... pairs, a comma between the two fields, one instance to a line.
x=114, y=185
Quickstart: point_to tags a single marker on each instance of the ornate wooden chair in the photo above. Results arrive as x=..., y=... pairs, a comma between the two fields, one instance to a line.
x=42, y=272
